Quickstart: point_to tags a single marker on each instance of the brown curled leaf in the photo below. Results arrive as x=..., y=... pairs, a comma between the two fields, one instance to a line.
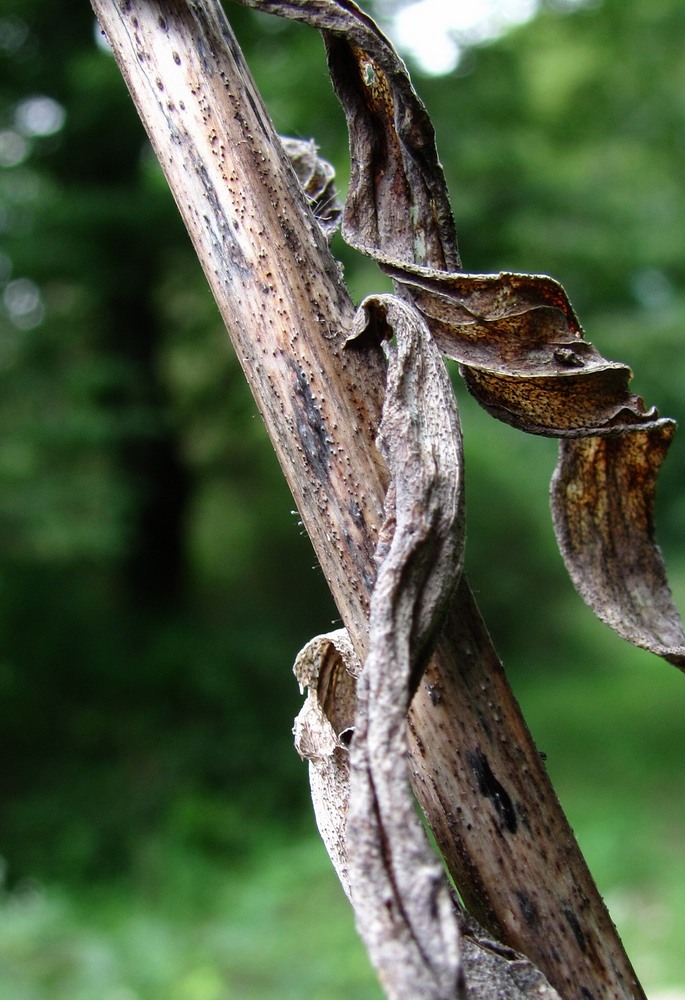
x=603, y=510
x=516, y=337
x=397, y=207
x=522, y=352
x=565, y=404
x=420, y=437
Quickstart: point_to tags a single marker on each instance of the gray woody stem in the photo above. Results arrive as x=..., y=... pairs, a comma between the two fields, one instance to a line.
x=476, y=770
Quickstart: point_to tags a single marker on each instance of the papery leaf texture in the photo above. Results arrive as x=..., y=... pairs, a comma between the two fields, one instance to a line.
x=603, y=509
x=519, y=344
x=403, y=903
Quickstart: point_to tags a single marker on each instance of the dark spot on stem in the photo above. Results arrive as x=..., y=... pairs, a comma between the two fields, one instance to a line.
x=258, y=114
x=529, y=910
x=434, y=693
x=310, y=426
x=484, y=725
x=574, y=924
x=355, y=513
x=224, y=246
x=368, y=575
x=489, y=786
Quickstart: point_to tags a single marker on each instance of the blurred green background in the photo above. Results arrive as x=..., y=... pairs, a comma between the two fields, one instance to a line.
x=155, y=830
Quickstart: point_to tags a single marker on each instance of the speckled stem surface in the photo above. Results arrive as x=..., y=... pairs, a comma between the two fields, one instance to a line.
x=475, y=768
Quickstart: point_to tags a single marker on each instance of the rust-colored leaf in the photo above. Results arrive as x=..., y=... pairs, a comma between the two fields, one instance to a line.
x=522, y=352
x=603, y=509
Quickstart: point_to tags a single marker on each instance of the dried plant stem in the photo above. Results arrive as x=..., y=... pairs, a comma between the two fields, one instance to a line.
x=475, y=768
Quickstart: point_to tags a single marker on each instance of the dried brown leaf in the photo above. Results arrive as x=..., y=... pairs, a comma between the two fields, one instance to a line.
x=328, y=668
x=519, y=343
x=522, y=352
x=603, y=509
x=317, y=179
x=326, y=665
x=397, y=206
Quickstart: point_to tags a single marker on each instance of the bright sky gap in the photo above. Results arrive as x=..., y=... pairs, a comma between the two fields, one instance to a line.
x=434, y=32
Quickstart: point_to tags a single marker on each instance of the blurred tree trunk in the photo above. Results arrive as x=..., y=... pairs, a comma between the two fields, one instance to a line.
x=154, y=564
x=474, y=764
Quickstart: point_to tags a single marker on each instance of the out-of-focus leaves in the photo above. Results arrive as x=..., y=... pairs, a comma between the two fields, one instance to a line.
x=122, y=357
x=559, y=156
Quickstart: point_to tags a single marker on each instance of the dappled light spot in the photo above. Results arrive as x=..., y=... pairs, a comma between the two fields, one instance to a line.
x=39, y=116
x=23, y=302
x=13, y=148
x=13, y=33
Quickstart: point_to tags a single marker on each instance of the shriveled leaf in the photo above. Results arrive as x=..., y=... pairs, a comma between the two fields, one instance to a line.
x=329, y=669
x=516, y=336
x=317, y=178
x=603, y=509
x=403, y=904
x=522, y=352
x=519, y=343
x=397, y=207
x=420, y=437
x=493, y=971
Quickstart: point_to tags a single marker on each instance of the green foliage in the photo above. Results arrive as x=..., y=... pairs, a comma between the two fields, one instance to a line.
x=140, y=503
x=154, y=584
x=186, y=925
x=609, y=724
x=234, y=939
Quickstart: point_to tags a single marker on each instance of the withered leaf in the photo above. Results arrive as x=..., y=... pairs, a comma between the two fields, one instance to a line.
x=520, y=347
x=324, y=663
x=403, y=904
x=603, y=510
x=397, y=207
x=522, y=352
x=420, y=436
x=328, y=667
x=317, y=178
